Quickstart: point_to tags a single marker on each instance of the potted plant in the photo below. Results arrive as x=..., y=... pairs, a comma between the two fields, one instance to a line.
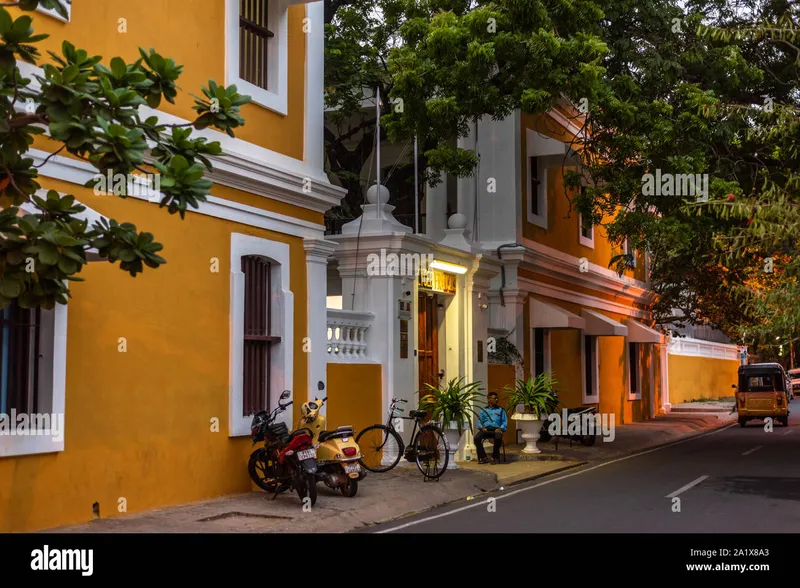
x=453, y=406
x=538, y=399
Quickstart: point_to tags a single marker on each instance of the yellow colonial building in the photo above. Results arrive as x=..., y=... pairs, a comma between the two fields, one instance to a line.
x=156, y=375
x=521, y=273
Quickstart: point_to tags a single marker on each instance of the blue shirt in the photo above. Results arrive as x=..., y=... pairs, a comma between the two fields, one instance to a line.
x=493, y=417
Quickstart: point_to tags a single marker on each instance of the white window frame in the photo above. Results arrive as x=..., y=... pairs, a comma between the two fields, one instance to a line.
x=541, y=218
x=548, y=366
x=282, y=359
x=51, y=12
x=594, y=398
x=586, y=242
x=626, y=248
x=631, y=394
x=276, y=97
x=46, y=440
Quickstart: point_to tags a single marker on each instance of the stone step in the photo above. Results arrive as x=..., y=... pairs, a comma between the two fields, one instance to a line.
x=721, y=409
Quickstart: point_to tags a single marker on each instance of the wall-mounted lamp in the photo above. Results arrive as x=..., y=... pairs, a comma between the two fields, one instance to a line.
x=484, y=306
x=446, y=266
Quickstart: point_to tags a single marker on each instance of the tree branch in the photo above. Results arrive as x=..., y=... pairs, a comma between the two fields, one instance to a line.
x=28, y=119
x=51, y=156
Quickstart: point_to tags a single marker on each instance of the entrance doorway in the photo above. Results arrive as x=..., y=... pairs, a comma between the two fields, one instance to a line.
x=428, y=344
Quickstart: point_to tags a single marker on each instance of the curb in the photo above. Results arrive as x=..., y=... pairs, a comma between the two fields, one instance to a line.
x=700, y=410
x=572, y=465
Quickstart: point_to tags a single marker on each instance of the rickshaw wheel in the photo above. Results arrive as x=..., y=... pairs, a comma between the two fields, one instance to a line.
x=742, y=422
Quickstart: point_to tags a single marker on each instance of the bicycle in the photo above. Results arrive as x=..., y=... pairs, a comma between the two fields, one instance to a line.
x=424, y=449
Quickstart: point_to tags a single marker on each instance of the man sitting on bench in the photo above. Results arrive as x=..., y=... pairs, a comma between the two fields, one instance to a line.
x=493, y=423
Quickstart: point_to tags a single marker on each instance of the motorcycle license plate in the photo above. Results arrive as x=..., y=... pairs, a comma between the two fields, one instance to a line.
x=306, y=454
x=352, y=468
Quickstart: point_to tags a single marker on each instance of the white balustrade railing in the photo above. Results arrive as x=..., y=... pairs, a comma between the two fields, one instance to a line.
x=347, y=335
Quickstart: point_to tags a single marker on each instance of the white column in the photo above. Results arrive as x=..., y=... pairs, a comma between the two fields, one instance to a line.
x=436, y=209
x=466, y=186
x=652, y=364
x=499, y=196
x=316, y=346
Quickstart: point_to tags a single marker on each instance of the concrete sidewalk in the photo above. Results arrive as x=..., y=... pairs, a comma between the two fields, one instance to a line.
x=398, y=493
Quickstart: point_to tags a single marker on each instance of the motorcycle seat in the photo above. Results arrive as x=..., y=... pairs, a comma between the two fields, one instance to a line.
x=325, y=435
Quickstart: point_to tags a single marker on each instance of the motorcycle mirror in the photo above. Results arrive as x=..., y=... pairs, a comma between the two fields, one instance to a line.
x=285, y=394
x=320, y=385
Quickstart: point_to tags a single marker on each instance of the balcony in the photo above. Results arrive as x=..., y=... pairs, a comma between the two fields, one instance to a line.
x=348, y=336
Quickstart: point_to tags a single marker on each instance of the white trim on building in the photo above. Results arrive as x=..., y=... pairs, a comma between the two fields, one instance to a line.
x=281, y=378
x=595, y=366
x=583, y=239
x=250, y=167
x=636, y=378
x=79, y=172
x=54, y=14
x=53, y=404
x=701, y=348
x=275, y=96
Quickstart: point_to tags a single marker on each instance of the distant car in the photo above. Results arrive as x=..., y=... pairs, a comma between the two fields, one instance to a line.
x=794, y=376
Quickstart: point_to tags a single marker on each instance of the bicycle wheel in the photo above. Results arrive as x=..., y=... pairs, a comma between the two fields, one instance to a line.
x=381, y=448
x=432, y=451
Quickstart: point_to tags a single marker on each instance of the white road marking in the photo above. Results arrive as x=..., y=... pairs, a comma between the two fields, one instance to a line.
x=482, y=502
x=749, y=451
x=685, y=488
x=787, y=432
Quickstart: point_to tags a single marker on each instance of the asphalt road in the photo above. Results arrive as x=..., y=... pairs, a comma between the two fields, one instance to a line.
x=732, y=480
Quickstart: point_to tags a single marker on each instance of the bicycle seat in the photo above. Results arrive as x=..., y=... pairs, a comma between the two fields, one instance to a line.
x=417, y=413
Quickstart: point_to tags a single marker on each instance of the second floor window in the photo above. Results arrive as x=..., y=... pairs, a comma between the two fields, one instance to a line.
x=533, y=170
x=254, y=42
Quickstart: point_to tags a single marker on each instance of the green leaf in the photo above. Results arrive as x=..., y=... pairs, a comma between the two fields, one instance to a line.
x=118, y=67
x=5, y=21
x=10, y=288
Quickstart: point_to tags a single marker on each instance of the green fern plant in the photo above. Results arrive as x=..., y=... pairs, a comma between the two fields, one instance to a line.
x=453, y=403
x=537, y=395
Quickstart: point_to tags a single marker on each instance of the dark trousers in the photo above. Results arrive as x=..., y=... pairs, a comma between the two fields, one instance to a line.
x=480, y=436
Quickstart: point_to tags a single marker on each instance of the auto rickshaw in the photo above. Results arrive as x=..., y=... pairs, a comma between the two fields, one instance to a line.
x=762, y=394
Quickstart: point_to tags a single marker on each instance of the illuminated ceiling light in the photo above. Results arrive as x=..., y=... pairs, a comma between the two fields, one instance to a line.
x=445, y=266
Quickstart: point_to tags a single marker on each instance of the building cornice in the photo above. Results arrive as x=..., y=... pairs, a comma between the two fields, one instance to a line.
x=545, y=260
x=399, y=243
x=80, y=172
x=245, y=166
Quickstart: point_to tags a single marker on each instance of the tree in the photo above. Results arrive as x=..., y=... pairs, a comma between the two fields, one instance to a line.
x=92, y=110
x=678, y=100
x=358, y=38
x=440, y=65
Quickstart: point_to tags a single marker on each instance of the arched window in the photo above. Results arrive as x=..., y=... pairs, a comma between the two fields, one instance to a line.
x=262, y=323
x=259, y=335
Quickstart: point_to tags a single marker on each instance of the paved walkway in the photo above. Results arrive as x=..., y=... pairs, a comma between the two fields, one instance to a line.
x=399, y=493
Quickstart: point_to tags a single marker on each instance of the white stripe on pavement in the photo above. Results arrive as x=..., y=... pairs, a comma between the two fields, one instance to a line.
x=685, y=488
x=482, y=502
x=787, y=432
x=749, y=451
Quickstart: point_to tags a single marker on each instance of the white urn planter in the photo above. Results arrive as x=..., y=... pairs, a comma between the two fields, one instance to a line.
x=530, y=425
x=454, y=444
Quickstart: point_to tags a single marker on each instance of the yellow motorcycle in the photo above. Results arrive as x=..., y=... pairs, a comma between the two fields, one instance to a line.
x=338, y=454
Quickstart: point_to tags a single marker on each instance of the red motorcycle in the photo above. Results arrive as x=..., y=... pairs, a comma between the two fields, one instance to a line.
x=288, y=461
